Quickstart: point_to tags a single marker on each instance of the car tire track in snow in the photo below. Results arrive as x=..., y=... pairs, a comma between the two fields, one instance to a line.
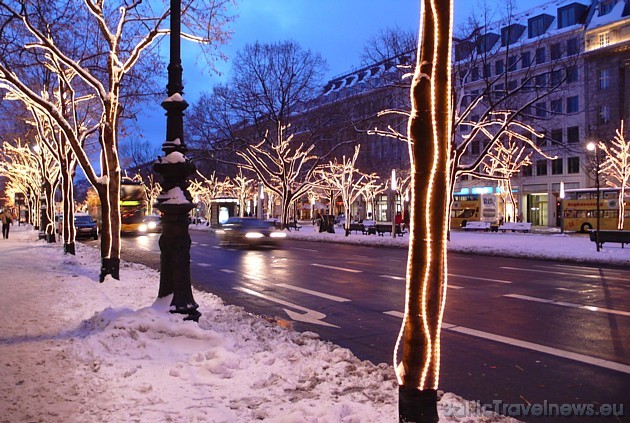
x=309, y=316
x=599, y=362
x=566, y=304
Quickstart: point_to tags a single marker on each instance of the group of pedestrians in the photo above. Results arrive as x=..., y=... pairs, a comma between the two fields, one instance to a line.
x=7, y=220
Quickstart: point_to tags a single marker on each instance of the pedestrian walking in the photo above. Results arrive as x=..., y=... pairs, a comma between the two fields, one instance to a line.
x=7, y=220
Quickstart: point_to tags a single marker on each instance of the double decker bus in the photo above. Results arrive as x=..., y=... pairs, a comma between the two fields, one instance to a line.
x=474, y=207
x=579, y=209
x=133, y=206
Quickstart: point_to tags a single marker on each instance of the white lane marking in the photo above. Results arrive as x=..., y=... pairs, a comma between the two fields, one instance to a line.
x=398, y=261
x=565, y=304
x=204, y=265
x=581, y=275
x=612, y=365
x=310, y=316
x=400, y=278
x=227, y=270
x=396, y=278
x=343, y=269
x=359, y=256
x=203, y=245
x=478, y=278
x=216, y=246
x=305, y=249
x=315, y=293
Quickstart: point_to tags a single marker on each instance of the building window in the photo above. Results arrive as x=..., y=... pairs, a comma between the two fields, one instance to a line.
x=604, y=79
x=498, y=67
x=567, y=16
x=541, y=57
x=556, y=166
x=541, y=167
x=573, y=165
x=572, y=46
x=526, y=59
x=555, y=51
x=556, y=135
x=512, y=85
x=606, y=6
x=556, y=108
x=573, y=104
x=487, y=72
x=572, y=74
x=556, y=77
x=541, y=109
x=604, y=39
x=474, y=73
x=526, y=171
x=512, y=63
x=604, y=114
x=573, y=134
x=541, y=80
x=537, y=25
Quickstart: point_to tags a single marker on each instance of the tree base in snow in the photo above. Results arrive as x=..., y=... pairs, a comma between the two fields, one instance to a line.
x=417, y=406
x=69, y=248
x=110, y=266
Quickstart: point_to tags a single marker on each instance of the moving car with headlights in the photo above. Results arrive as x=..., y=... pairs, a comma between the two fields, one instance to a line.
x=85, y=226
x=249, y=232
x=150, y=224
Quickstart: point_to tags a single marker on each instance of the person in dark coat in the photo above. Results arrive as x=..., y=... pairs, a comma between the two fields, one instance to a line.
x=7, y=220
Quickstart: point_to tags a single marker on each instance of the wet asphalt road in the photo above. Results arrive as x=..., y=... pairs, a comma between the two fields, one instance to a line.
x=516, y=331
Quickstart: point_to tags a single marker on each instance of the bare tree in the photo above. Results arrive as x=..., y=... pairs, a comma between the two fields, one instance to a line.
x=430, y=127
x=348, y=181
x=285, y=168
x=389, y=43
x=616, y=168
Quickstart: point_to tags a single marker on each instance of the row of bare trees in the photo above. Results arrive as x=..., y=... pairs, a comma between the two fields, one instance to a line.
x=82, y=69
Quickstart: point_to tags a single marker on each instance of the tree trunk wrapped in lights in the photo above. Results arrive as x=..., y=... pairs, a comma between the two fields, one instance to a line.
x=430, y=134
x=616, y=168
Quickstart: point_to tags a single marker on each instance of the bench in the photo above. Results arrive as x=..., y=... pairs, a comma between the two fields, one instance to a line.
x=381, y=229
x=292, y=225
x=476, y=226
x=622, y=237
x=357, y=227
x=516, y=226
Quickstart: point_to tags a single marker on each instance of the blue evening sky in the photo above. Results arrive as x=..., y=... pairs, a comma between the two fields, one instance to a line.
x=338, y=29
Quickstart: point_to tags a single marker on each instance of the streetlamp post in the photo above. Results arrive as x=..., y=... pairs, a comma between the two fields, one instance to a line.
x=591, y=146
x=175, y=202
x=394, y=187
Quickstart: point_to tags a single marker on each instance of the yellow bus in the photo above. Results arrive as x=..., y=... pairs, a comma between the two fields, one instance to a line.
x=474, y=207
x=579, y=209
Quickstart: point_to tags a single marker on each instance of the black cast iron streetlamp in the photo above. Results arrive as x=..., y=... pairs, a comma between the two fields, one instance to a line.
x=591, y=146
x=175, y=202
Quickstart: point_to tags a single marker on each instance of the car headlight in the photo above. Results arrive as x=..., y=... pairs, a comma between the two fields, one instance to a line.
x=253, y=235
x=152, y=225
x=278, y=235
x=143, y=227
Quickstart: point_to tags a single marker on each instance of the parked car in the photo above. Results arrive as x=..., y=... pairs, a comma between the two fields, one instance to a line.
x=150, y=224
x=85, y=226
x=249, y=232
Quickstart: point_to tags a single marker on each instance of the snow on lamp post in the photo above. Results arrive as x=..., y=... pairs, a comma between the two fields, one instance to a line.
x=394, y=187
x=591, y=146
x=175, y=202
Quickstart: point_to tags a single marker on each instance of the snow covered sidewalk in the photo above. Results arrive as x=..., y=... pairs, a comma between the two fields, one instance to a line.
x=74, y=350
